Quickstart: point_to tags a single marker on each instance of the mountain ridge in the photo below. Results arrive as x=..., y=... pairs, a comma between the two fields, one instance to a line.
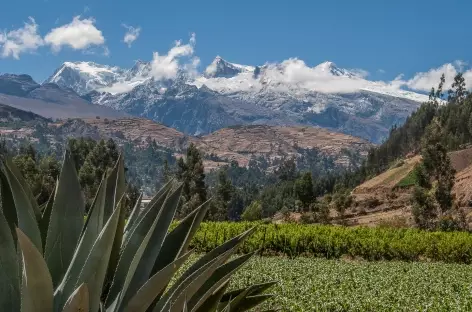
x=227, y=94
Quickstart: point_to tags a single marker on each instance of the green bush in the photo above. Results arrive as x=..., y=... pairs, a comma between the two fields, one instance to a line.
x=328, y=241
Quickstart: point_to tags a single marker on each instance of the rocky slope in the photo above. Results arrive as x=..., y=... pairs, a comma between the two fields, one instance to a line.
x=227, y=94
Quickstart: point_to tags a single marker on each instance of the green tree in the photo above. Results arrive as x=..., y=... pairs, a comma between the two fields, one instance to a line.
x=253, y=212
x=223, y=197
x=304, y=190
x=433, y=196
x=191, y=173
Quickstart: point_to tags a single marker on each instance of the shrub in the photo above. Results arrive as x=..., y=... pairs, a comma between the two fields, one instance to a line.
x=253, y=212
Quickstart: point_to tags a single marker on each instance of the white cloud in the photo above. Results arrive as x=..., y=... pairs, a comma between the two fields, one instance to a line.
x=22, y=40
x=131, y=34
x=166, y=66
x=424, y=81
x=381, y=71
x=79, y=34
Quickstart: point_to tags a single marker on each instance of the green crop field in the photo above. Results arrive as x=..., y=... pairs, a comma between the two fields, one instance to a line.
x=311, y=284
x=334, y=242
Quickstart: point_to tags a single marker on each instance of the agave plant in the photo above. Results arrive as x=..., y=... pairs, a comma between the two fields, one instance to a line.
x=52, y=258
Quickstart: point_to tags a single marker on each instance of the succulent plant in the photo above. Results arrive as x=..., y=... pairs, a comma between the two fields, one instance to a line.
x=54, y=259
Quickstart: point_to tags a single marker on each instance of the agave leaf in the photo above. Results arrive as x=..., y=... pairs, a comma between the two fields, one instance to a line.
x=250, y=302
x=146, y=294
x=134, y=213
x=94, y=268
x=115, y=187
x=45, y=219
x=37, y=291
x=233, y=302
x=160, y=196
x=255, y=289
x=95, y=218
x=8, y=204
x=116, y=184
x=230, y=244
x=67, y=220
x=218, y=278
x=116, y=248
x=178, y=240
x=130, y=247
x=212, y=302
x=24, y=210
x=93, y=228
x=10, y=298
x=127, y=267
x=166, y=301
x=187, y=290
x=165, y=217
x=120, y=187
x=78, y=301
x=34, y=203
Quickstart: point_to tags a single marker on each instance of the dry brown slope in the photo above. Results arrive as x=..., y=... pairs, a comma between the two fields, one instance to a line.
x=241, y=142
x=238, y=143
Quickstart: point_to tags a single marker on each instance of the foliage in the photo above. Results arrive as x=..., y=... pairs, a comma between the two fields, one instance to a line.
x=307, y=284
x=334, y=242
x=433, y=197
x=71, y=264
x=190, y=172
x=253, y=212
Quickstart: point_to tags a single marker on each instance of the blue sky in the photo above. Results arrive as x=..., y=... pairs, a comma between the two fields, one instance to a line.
x=384, y=38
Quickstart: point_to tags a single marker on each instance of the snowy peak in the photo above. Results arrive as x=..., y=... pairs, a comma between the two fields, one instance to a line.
x=221, y=68
x=84, y=77
x=331, y=69
x=140, y=69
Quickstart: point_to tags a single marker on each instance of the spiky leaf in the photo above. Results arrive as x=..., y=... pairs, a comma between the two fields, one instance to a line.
x=62, y=237
x=146, y=294
x=78, y=301
x=178, y=240
x=212, y=302
x=165, y=217
x=45, y=219
x=9, y=273
x=37, y=291
x=218, y=278
x=24, y=210
x=94, y=269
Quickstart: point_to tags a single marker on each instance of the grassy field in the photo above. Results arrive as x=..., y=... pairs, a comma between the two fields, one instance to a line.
x=310, y=284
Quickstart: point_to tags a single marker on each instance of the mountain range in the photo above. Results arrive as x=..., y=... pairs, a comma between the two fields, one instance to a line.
x=228, y=94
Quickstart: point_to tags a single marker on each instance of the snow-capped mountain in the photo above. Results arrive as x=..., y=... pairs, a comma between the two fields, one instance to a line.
x=225, y=94
x=84, y=77
x=220, y=68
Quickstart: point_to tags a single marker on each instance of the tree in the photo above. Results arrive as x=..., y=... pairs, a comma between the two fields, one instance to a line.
x=191, y=173
x=224, y=192
x=433, y=196
x=304, y=190
x=287, y=171
x=458, y=91
x=101, y=158
x=253, y=212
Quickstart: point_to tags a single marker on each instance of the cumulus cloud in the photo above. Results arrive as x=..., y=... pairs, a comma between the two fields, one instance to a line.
x=22, y=40
x=166, y=66
x=424, y=81
x=131, y=34
x=80, y=34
